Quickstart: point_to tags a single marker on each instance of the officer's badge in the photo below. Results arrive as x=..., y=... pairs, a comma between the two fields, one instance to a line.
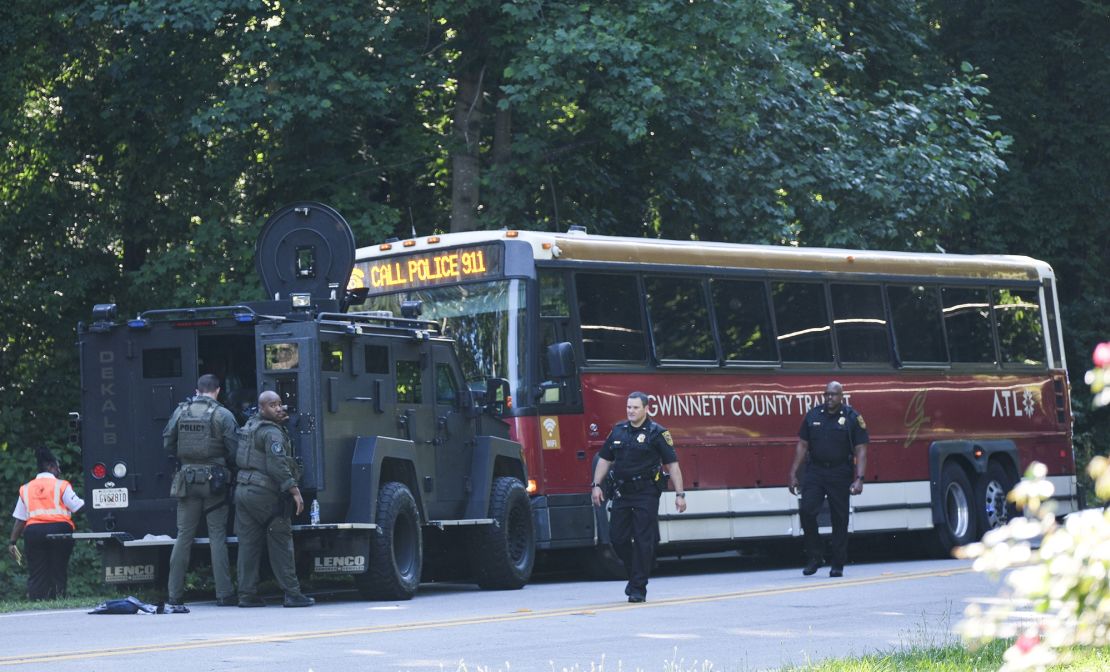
x=641, y=438
x=841, y=421
x=862, y=424
x=667, y=438
x=276, y=448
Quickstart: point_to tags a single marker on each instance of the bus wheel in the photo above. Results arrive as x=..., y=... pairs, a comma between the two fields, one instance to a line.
x=959, y=524
x=502, y=555
x=396, y=552
x=990, y=498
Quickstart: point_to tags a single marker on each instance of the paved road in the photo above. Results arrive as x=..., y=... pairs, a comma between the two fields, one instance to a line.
x=703, y=610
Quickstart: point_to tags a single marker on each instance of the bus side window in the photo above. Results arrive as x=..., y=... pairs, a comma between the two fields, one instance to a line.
x=609, y=312
x=802, y=317
x=1017, y=313
x=744, y=320
x=967, y=321
x=918, y=326
x=679, y=317
x=554, y=328
x=860, y=323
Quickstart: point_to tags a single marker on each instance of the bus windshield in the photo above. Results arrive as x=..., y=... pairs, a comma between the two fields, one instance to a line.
x=486, y=320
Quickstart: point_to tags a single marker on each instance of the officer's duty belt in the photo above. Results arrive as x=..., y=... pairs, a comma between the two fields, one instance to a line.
x=829, y=465
x=250, y=477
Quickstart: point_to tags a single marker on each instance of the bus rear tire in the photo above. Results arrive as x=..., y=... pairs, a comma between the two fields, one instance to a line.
x=396, y=551
x=502, y=555
x=990, y=498
x=959, y=524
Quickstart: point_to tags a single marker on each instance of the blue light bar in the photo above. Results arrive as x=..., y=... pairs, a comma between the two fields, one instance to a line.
x=245, y=318
x=138, y=323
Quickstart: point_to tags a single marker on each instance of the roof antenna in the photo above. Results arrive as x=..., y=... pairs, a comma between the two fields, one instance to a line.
x=412, y=223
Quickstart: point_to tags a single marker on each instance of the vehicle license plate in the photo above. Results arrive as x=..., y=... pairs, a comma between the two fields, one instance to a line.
x=110, y=498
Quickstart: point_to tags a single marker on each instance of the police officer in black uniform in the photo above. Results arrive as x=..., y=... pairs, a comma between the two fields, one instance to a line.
x=634, y=451
x=834, y=437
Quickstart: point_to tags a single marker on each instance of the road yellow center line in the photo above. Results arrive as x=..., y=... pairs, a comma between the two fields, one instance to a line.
x=44, y=657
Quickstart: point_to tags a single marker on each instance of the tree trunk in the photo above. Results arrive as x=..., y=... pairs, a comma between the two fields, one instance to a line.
x=466, y=170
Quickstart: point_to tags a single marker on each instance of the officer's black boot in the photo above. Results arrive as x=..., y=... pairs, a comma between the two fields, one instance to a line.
x=298, y=600
x=811, y=567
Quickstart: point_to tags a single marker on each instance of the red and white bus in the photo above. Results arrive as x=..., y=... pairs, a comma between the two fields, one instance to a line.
x=955, y=361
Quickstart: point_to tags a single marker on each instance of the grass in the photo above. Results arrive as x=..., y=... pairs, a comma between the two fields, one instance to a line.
x=87, y=603
x=955, y=658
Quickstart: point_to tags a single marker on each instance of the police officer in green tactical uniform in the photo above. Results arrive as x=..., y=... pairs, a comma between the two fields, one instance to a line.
x=267, y=478
x=201, y=434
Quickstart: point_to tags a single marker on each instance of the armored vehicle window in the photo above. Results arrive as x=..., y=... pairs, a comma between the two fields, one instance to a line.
x=282, y=356
x=447, y=388
x=918, y=326
x=803, y=321
x=331, y=356
x=409, y=389
x=860, y=323
x=967, y=319
x=609, y=311
x=679, y=316
x=744, y=320
x=162, y=363
x=377, y=359
x=1020, y=336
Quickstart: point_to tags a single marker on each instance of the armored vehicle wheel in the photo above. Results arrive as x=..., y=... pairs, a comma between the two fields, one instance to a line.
x=991, y=506
x=502, y=555
x=959, y=524
x=396, y=553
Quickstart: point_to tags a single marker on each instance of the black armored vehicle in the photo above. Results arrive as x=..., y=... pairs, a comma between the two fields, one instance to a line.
x=407, y=473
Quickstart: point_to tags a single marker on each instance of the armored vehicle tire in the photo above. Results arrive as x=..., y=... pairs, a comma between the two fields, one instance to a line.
x=959, y=525
x=502, y=554
x=397, y=550
x=991, y=506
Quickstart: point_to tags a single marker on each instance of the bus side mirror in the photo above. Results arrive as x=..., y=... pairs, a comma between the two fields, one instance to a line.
x=560, y=360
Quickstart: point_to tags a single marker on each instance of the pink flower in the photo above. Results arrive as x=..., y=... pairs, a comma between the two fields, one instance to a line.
x=1101, y=356
x=1027, y=643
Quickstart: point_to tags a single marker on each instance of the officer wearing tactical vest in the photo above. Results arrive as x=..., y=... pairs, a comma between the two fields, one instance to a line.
x=263, y=517
x=635, y=450
x=834, y=438
x=201, y=434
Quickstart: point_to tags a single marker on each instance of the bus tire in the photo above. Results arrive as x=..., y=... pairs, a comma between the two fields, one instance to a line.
x=502, y=555
x=959, y=522
x=991, y=506
x=396, y=550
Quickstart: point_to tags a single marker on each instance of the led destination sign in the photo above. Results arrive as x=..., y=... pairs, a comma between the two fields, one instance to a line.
x=428, y=269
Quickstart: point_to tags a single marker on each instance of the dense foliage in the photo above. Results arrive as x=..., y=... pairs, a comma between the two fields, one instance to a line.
x=145, y=142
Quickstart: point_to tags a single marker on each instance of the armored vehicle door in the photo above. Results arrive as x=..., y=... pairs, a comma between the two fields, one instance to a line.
x=415, y=395
x=454, y=440
x=132, y=379
x=289, y=364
